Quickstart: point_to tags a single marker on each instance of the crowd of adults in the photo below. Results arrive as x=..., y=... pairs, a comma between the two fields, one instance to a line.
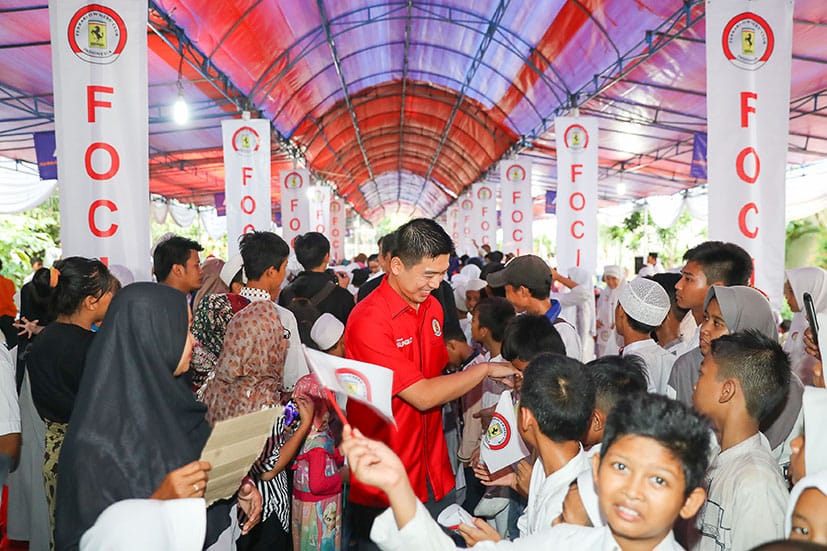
x=662, y=409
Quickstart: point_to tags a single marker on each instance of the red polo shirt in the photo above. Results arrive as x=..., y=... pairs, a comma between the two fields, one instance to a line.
x=383, y=329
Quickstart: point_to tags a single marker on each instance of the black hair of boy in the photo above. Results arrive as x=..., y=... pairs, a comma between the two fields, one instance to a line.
x=528, y=335
x=720, y=261
x=494, y=313
x=676, y=427
x=311, y=248
x=638, y=326
x=453, y=333
x=260, y=250
x=421, y=238
x=175, y=250
x=667, y=280
x=387, y=243
x=560, y=394
x=615, y=377
x=761, y=367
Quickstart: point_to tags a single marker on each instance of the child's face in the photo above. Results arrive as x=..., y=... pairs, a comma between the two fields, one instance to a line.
x=472, y=298
x=810, y=517
x=712, y=327
x=708, y=388
x=476, y=332
x=640, y=487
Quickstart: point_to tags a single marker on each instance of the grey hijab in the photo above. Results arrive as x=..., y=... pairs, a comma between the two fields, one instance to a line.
x=746, y=308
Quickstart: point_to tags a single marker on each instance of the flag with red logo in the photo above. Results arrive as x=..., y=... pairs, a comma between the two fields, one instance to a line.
x=501, y=443
x=366, y=383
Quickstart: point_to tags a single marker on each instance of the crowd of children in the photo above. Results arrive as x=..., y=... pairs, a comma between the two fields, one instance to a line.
x=665, y=414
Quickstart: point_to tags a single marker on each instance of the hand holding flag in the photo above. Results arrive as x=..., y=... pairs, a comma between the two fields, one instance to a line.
x=501, y=443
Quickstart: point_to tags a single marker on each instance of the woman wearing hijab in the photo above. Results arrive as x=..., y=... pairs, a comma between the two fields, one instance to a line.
x=82, y=293
x=799, y=281
x=606, y=304
x=136, y=429
x=734, y=309
x=249, y=377
x=211, y=282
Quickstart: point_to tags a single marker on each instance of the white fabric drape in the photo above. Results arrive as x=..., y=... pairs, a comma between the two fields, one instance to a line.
x=215, y=226
x=159, y=208
x=184, y=215
x=664, y=210
x=21, y=190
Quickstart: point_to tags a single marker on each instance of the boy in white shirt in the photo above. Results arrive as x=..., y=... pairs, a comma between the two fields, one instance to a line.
x=655, y=452
x=641, y=308
x=744, y=378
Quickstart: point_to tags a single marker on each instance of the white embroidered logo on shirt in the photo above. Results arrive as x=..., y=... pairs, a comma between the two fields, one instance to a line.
x=402, y=343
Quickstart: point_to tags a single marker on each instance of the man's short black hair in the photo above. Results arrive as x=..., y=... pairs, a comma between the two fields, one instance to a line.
x=637, y=326
x=421, y=238
x=761, y=367
x=387, y=243
x=494, y=314
x=311, y=248
x=720, y=261
x=373, y=258
x=175, y=250
x=494, y=256
x=560, y=394
x=682, y=431
x=453, y=332
x=615, y=377
x=668, y=280
x=527, y=336
x=260, y=250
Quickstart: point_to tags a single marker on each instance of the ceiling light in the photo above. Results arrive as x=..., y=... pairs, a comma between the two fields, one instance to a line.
x=180, y=110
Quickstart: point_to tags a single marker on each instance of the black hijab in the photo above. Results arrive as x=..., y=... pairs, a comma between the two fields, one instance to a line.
x=133, y=421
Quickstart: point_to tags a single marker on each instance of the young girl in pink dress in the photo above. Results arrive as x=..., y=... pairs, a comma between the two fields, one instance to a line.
x=317, y=484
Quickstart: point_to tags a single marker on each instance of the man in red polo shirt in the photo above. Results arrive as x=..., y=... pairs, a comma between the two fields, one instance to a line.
x=400, y=326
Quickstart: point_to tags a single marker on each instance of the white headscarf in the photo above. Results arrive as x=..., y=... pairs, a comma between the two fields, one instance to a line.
x=579, y=309
x=817, y=480
x=814, y=406
x=804, y=280
x=140, y=524
x=606, y=304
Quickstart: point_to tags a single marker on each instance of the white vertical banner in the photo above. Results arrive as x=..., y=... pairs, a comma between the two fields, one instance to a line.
x=748, y=57
x=577, y=230
x=466, y=225
x=99, y=70
x=320, y=210
x=295, y=204
x=453, y=227
x=484, y=228
x=515, y=200
x=337, y=228
x=246, y=178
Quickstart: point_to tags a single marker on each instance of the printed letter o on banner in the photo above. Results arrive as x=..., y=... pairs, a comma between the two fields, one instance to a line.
x=517, y=216
x=295, y=224
x=581, y=201
x=739, y=165
x=114, y=161
x=248, y=205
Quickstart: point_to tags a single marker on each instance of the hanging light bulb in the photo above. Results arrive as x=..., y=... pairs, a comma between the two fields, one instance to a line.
x=621, y=188
x=180, y=110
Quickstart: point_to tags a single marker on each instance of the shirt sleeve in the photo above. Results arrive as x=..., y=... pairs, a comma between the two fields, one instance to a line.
x=295, y=366
x=9, y=408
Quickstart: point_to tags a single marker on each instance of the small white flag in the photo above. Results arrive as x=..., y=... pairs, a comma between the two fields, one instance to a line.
x=501, y=443
x=366, y=383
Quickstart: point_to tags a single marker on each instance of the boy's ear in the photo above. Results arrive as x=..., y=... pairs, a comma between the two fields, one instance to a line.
x=728, y=391
x=595, y=466
x=692, y=503
x=597, y=421
x=526, y=419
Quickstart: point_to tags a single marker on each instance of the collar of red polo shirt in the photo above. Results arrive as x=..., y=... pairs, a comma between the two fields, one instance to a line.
x=367, y=383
